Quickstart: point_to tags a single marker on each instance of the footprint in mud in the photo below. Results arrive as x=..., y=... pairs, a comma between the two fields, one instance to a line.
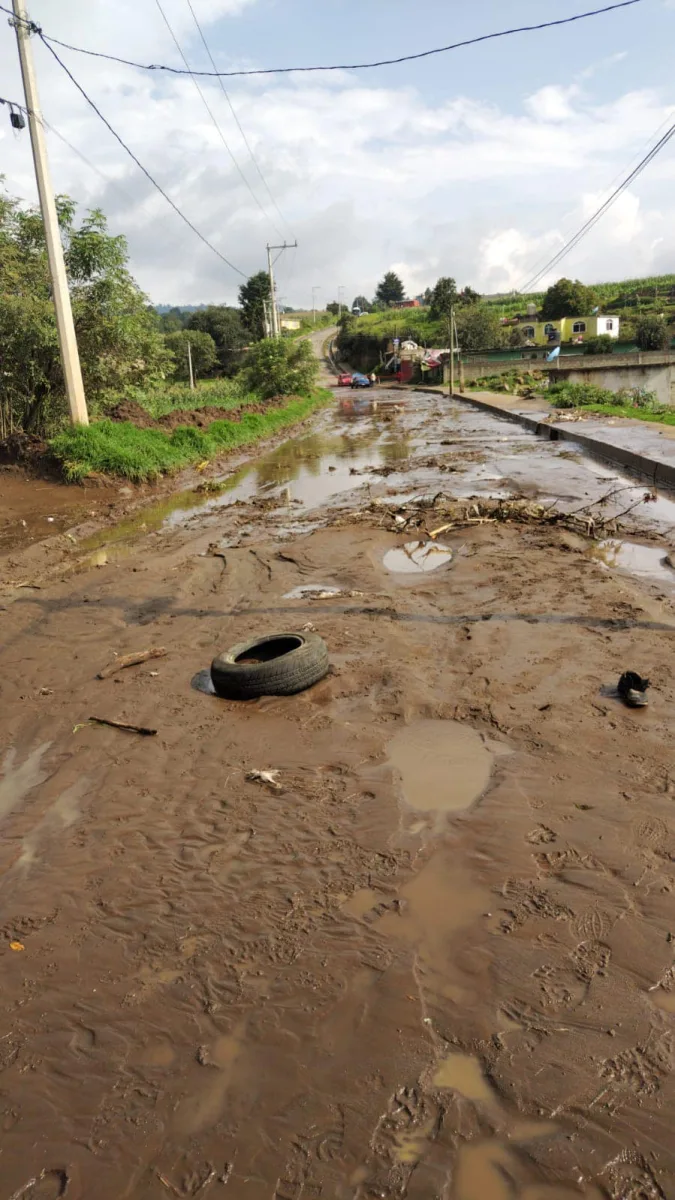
x=592, y=925
x=650, y=834
x=541, y=835
x=641, y=1069
x=629, y=1177
x=527, y=901
x=589, y=959
x=308, y=1151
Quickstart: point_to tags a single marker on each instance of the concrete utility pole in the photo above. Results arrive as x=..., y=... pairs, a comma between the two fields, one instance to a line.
x=340, y=291
x=314, y=290
x=273, y=299
x=70, y=358
x=452, y=352
x=192, y=377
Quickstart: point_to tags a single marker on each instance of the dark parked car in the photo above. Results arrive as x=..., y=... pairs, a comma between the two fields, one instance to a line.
x=360, y=381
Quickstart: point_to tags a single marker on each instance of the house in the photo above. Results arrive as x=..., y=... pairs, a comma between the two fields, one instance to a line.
x=405, y=304
x=568, y=329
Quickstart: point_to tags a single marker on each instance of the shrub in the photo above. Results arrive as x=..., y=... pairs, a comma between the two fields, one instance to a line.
x=602, y=344
x=652, y=333
x=277, y=367
x=576, y=395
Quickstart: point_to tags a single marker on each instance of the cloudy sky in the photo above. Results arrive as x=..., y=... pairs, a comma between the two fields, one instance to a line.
x=478, y=163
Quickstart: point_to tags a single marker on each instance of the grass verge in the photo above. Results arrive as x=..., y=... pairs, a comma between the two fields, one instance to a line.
x=662, y=416
x=122, y=449
x=159, y=401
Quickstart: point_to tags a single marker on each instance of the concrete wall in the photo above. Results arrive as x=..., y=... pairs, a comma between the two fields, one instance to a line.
x=657, y=375
x=654, y=370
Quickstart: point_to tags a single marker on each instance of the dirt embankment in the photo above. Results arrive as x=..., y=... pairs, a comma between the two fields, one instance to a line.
x=128, y=410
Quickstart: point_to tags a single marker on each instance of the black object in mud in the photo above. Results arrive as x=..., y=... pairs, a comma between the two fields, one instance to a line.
x=632, y=688
x=277, y=665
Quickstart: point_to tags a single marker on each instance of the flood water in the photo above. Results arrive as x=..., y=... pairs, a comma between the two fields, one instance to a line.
x=443, y=766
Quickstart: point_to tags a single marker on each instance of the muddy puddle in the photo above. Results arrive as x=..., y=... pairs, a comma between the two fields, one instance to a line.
x=418, y=558
x=442, y=766
x=648, y=562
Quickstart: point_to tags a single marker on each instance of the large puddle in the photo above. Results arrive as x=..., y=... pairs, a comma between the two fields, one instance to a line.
x=442, y=766
x=648, y=562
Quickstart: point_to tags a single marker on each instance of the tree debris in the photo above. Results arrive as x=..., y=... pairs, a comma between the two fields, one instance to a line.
x=130, y=660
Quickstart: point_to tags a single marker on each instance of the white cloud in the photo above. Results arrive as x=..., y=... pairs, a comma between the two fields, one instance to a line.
x=368, y=175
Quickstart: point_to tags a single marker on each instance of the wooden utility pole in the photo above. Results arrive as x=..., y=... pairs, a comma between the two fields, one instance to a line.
x=273, y=298
x=70, y=358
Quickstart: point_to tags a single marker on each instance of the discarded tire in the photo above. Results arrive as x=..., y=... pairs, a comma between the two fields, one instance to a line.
x=280, y=664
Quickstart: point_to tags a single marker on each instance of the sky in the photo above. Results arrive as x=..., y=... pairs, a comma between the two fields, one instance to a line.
x=478, y=163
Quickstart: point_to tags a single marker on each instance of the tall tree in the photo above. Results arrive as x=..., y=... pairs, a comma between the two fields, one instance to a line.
x=363, y=303
x=118, y=333
x=253, y=296
x=468, y=296
x=443, y=297
x=226, y=328
x=568, y=298
x=390, y=289
x=479, y=328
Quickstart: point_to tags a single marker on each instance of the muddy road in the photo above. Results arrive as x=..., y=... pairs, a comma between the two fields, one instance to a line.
x=435, y=957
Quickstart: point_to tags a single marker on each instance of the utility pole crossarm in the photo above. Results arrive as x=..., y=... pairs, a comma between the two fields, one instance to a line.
x=70, y=358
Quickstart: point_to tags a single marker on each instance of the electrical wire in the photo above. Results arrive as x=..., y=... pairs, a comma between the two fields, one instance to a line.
x=593, y=220
x=385, y=62
x=619, y=173
x=145, y=171
x=234, y=114
x=209, y=110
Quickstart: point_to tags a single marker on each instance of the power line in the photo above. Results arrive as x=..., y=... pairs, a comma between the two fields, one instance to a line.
x=234, y=114
x=385, y=62
x=212, y=116
x=593, y=220
x=620, y=172
x=145, y=171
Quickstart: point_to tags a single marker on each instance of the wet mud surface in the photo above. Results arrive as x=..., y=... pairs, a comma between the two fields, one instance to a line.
x=432, y=958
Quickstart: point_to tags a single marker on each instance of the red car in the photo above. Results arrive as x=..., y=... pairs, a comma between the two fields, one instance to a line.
x=344, y=381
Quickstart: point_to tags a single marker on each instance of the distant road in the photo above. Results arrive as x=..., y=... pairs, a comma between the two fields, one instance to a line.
x=317, y=341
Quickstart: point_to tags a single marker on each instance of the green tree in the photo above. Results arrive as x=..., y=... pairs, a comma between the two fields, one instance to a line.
x=363, y=303
x=443, y=297
x=390, y=289
x=333, y=308
x=568, y=298
x=478, y=328
x=202, y=349
x=118, y=333
x=468, y=296
x=253, y=296
x=225, y=326
x=652, y=333
x=281, y=367
x=173, y=320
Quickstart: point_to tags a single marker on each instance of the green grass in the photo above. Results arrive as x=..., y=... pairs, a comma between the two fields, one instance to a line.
x=663, y=416
x=167, y=398
x=122, y=449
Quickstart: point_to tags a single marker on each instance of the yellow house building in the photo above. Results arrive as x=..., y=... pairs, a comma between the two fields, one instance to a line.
x=569, y=329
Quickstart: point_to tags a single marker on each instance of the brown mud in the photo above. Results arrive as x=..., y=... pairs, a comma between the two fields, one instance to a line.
x=334, y=987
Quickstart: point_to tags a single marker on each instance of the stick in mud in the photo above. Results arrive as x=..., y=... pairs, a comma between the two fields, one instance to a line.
x=121, y=725
x=130, y=660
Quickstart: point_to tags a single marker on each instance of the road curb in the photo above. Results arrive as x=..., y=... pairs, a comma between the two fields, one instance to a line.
x=659, y=474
